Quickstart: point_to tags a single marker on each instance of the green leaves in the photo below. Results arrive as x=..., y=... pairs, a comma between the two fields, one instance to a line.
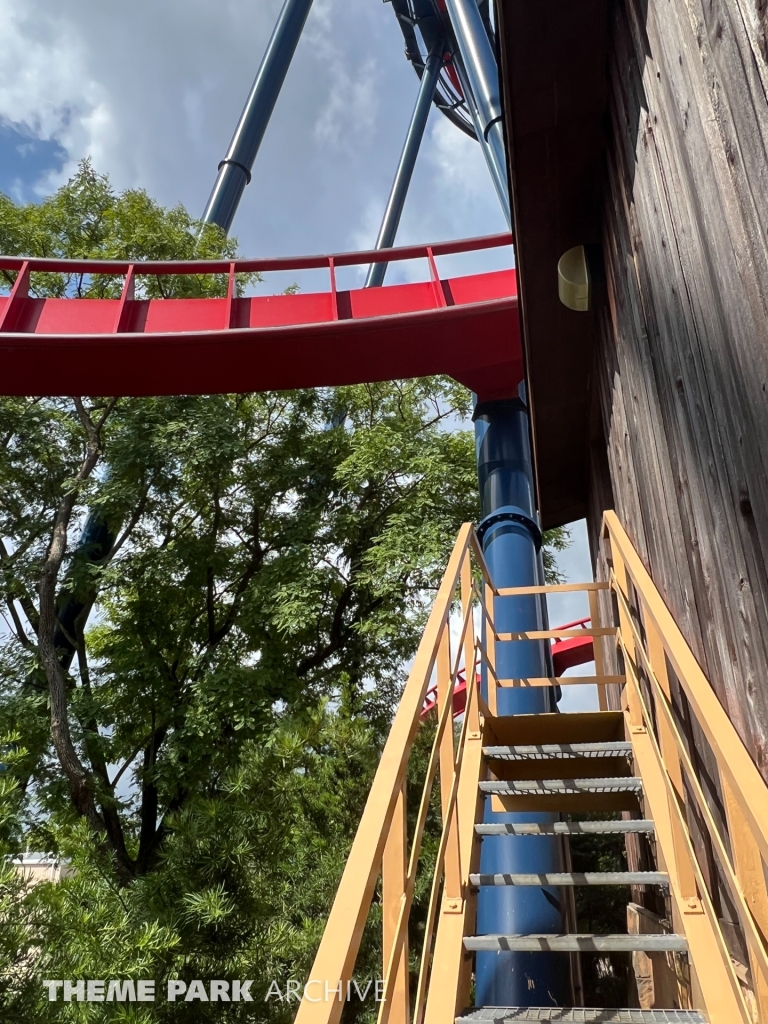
x=266, y=565
x=86, y=219
x=208, y=908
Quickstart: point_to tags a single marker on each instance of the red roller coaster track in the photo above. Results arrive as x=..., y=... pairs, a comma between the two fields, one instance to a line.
x=565, y=654
x=466, y=327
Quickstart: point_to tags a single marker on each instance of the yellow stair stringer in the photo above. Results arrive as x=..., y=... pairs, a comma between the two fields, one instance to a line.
x=657, y=652
x=724, y=1002
x=444, y=997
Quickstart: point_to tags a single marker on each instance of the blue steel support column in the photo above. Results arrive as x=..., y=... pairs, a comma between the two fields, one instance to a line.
x=235, y=168
x=404, y=174
x=511, y=541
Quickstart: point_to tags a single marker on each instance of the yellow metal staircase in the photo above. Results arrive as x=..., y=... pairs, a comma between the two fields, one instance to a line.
x=631, y=769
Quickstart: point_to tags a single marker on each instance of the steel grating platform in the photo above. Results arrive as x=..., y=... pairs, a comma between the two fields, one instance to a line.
x=549, y=751
x=567, y=1015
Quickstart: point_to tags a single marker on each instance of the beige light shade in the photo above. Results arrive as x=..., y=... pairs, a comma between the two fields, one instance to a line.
x=573, y=279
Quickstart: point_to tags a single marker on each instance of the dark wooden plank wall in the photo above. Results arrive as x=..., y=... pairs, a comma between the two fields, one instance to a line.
x=682, y=363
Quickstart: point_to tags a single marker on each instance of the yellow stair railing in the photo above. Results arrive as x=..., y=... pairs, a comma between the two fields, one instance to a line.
x=650, y=657
x=654, y=652
x=381, y=845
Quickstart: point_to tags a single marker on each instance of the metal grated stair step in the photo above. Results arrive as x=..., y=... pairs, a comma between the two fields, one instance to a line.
x=544, y=751
x=576, y=1015
x=628, y=784
x=575, y=878
x=577, y=943
x=566, y=828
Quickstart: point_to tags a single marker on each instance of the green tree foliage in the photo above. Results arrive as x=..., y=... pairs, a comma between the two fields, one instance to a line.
x=602, y=911
x=204, y=755
x=85, y=219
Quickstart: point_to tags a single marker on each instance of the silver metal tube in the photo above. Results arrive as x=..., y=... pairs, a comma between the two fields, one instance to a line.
x=497, y=171
x=404, y=174
x=235, y=168
x=481, y=80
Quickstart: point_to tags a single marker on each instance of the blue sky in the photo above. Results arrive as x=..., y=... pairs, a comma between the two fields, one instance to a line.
x=25, y=159
x=152, y=96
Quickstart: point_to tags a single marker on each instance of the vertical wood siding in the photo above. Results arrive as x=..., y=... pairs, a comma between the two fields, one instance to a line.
x=682, y=369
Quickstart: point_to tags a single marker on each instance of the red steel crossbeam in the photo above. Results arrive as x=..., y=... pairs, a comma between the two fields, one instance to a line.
x=466, y=327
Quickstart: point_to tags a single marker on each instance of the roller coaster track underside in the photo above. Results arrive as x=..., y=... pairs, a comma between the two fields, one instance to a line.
x=466, y=327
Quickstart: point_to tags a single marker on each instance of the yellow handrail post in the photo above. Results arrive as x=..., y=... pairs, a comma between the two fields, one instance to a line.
x=445, y=696
x=490, y=646
x=682, y=867
x=393, y=880
x=467, y=602
x=670, y=754
x=658, y=662
x=445, y=685
x=597, y=645
x=625, y=628
x=450, y=976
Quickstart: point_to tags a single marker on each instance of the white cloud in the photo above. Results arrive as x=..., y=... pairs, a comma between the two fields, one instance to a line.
x=459, y=164
x=44, y=82
x=353, y=101
x=152, y=93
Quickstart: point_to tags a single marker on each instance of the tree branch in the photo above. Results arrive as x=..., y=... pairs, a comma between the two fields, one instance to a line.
x=138, y=512
x=92, y=740
x=336, y=635
x=126, y=765
x=255, y=563
x=24, y=599
x=210, y=602
x=81, y=783
x=150, y=835
x=18, y=628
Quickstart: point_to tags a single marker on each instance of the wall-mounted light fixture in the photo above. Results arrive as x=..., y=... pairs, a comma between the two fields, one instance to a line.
x=573, y=279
